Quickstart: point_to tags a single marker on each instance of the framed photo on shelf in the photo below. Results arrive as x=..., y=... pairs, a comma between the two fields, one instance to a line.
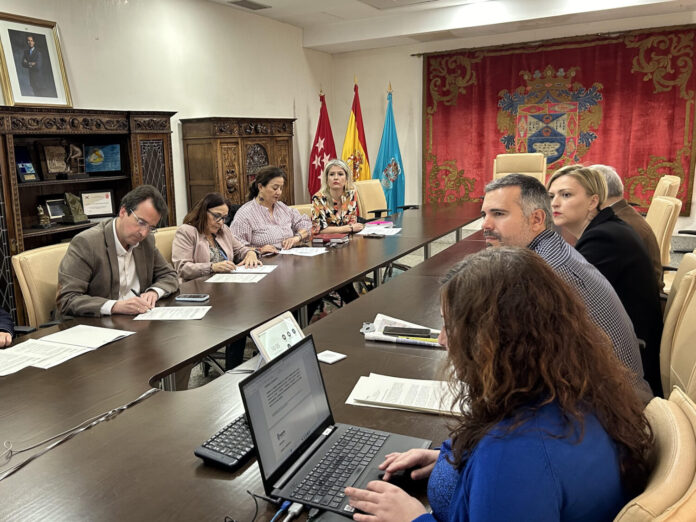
x=31, y=63
x=103, y=158
x=25, y=166
x=98, y=203
x=55, y=208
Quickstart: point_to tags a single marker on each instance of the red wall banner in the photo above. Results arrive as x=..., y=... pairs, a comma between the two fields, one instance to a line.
x=624, y=100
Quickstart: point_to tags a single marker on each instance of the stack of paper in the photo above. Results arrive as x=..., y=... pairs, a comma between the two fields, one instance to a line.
x=304, y=251
x=375, y=332
x=56, y=348
x=379, y=229
x=403, y=394
x=174, y=313
x=236, y=277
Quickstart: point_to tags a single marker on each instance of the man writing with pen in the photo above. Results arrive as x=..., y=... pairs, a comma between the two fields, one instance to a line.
x=114, y=267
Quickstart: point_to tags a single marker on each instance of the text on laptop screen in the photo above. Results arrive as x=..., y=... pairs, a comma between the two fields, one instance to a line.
x=286, y=404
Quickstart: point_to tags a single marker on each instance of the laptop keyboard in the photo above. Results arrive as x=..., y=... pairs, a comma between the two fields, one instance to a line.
x=230, y=447
x=341, y=467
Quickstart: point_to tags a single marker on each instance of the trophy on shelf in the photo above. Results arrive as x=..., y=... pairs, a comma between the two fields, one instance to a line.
x=44, y=220
x=76, y=163
x=74, y=213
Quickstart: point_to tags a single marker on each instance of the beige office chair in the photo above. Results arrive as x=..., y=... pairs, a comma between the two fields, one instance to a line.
x=685, y=508
x=673, y=313
x=371, y=200
x=662, y=218
x=682, y=362
x=163, y=241
x=674, y=455
x=37, y=273
x=667, y=186
x=673, y=278
x=305, y=209
x=531, y=164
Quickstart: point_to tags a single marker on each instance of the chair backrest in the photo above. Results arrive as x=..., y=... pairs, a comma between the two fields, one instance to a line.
x=677, y=298
x=37, y=274
x=163, y=241
x=687, y=264
x=370, y=197
x=674, y=457
x=685, y=508
x=662, y=218
x=667, y=186
x=531, y=164
x=682, y=364
x=305, y=209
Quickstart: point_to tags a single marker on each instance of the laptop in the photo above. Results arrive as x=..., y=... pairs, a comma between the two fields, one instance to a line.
x=303, y=455
x=277, y=335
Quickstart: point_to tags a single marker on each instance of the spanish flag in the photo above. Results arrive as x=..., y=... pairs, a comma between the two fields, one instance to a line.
x=355, y=146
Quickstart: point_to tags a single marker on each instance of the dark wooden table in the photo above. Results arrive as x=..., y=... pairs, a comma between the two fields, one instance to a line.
x=141, y=464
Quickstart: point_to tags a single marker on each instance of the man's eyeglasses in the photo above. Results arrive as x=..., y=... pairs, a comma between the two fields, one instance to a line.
x=144, y=224
x=217, y=217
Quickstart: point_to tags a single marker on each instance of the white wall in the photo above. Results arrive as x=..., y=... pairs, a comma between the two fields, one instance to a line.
x=376, y=68
x=191, y=56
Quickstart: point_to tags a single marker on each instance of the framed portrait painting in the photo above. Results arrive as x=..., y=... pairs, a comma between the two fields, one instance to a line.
x=31, y=63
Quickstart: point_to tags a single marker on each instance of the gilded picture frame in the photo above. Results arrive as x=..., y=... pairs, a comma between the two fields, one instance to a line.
x=31, y=63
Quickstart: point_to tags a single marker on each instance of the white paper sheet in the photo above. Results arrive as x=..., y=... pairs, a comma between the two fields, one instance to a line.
x=235, y=278
x=411, y=394
x=87, y=336
x=304, y=251
x=48, y=354
x=174, y=313
x=263, y=269
x=385, y=231
x=11, y=362
x=382, y=320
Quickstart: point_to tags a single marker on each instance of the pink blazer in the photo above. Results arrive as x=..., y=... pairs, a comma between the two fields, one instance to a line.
x=191, y=252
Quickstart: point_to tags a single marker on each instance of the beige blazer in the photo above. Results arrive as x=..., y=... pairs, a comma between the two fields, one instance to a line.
x=191, y=252
x=88, y=274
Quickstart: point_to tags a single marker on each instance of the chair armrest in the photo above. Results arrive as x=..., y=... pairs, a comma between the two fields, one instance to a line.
x=690, y=232
x=50, y=323
x=378, y=212
x=670, y=268
x=681, y=251
x=23, y=330
x=408, y=207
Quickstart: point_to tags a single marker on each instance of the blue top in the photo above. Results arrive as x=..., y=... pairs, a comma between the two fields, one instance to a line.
x=529, y=475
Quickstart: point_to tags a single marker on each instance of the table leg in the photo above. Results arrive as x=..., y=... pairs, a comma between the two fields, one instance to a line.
x=169, y=382
x=376, y=277
x=304, y=320
x=426, y=251
x=458, y=235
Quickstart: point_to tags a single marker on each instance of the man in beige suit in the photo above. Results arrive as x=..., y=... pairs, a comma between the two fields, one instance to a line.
x=114, y=267
x=627, y=213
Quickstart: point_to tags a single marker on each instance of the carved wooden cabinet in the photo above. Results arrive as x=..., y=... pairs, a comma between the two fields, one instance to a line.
x=223, y=155
x=145, y=149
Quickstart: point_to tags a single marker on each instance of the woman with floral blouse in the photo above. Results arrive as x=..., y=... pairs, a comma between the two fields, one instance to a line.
x=335, y=207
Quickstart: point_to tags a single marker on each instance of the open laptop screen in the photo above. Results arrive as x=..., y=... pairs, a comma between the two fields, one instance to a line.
x=286, y=405
x=277, y=335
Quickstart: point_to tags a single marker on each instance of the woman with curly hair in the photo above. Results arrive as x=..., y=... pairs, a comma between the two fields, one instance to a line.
x=549, y=428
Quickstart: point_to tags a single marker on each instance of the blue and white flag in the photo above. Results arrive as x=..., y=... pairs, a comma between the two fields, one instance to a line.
x=388, y=168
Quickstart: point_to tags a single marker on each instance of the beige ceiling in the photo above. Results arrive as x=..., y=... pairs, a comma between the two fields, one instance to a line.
x=336, y=26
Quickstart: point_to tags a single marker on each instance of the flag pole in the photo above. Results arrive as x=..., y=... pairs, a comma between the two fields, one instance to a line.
x=390, y=88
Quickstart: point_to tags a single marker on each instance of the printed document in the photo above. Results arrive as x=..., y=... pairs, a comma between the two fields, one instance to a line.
x=174, y=313
x=235, y=278
x=304, y=251
x=263, y=269
x=385, y=231
x=407, y=394
x=87, y=336
x=373, y=332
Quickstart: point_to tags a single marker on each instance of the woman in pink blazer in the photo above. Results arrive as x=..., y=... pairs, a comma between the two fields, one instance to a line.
x=203, y=245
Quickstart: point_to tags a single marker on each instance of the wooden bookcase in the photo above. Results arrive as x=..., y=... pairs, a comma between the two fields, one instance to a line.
x=223, y=154
x=144, y=140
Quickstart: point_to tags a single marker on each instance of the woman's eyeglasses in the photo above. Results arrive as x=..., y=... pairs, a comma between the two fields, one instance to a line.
x=217, y=217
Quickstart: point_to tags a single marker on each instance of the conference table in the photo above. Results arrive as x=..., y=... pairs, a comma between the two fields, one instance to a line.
x=140, y=465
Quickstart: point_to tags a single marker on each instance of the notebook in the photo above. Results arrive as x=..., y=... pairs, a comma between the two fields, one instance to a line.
x=295, y=435
x=277, y=335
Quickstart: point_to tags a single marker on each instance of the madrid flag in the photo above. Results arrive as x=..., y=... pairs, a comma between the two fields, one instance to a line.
x=355, y=146
x=323, y=149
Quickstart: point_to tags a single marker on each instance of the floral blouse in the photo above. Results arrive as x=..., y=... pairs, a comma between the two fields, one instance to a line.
x=334, y=213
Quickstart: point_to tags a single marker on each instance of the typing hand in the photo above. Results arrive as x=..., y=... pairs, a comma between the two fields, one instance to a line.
x=268, y=249
x=421, y=459
x=290, y=242
x=383, y=502
x=5, y=339
x=224, y=266
x=251, y=261
x=133, y=306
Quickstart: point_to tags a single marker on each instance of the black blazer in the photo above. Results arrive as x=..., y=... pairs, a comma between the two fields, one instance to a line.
x=620, y=255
